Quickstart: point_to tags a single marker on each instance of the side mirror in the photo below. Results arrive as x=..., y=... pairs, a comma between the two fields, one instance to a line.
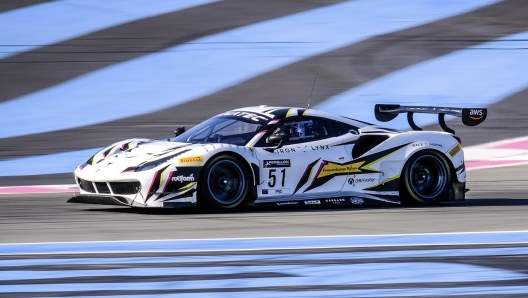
x=279, y=139
x=178, y=131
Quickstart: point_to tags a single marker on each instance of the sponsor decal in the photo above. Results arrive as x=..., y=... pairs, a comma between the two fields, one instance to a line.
x=285, y=150
x=287, y=203
x=335, y=201
x=246, y=115
x=281, y=190
x=320, y=147
x=334, y=168
x=191, y=159
x=426, y=144
x=475, y=114
x=276, y=191
x=182, y=178
x=363, y=165
x=277, y=163
x=357, y=201
x=312, y=202
x=455, y=150
x=360, y=180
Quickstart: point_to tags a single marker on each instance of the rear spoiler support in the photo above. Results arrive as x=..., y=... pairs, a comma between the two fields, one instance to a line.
x=470, y=116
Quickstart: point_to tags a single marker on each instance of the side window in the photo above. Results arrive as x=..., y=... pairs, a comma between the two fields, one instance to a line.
x=304, y=129
x=340, y=128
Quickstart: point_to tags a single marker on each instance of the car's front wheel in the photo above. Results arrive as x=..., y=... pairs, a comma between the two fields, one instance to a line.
x=224, y=183
x=425, y=179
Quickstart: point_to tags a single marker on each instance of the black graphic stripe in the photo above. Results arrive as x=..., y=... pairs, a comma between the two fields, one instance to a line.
x=154, y=186
x=347, y=142
x=361, y=163
x=305, y=176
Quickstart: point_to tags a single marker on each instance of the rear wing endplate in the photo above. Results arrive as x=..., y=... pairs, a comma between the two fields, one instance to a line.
x=470, y=116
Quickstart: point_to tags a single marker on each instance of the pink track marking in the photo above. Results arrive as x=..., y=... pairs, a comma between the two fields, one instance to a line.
x=472, y=165
x=34, y=189
x=522, y=144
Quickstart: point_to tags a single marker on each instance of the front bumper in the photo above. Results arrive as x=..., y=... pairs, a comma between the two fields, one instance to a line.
x=101, y=200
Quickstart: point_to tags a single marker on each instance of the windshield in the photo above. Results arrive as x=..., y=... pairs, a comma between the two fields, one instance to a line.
x=229, y=130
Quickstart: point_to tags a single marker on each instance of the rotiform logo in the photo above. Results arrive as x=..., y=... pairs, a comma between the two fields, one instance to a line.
x=182, y=178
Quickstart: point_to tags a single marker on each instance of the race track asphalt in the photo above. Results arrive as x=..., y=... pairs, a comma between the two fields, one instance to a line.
x=497, y=201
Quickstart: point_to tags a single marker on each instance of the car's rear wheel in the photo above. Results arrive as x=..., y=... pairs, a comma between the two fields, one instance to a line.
x=425, y=179
x=224, y=183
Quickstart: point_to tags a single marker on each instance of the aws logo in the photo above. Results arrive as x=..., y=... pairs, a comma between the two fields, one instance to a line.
x=476, y=114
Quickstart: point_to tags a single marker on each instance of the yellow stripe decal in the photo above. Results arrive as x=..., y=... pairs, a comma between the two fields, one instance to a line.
x=187, y=186
x=162, y=178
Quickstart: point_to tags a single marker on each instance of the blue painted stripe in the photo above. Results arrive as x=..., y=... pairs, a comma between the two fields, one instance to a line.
x=300, y=275
x=268, y=243
x=47, y=164
x=187, y=72
x=35, y=26
x=437, y=253
x=396, y=292
x=473, y=77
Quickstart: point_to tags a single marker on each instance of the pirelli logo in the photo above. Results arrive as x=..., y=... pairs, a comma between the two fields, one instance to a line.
x=455, y=150
x=191, y=159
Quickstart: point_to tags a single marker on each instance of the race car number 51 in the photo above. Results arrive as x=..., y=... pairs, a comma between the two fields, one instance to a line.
x=273, y=177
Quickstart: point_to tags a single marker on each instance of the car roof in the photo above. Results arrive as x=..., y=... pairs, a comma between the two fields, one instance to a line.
x=277, y=112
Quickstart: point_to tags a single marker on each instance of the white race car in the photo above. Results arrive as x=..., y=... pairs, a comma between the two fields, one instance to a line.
x=283, y=156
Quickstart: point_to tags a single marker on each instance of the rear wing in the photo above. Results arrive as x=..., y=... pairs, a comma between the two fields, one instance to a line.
x=470, y=116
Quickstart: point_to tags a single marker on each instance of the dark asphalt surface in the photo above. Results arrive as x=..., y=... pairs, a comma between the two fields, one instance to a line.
x=498, y=201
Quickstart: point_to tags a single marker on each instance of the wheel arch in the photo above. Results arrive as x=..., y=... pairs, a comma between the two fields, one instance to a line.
x=457, y=188
x=238, y=156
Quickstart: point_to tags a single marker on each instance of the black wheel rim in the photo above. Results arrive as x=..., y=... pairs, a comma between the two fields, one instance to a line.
x=428, y=176
x=226, y=182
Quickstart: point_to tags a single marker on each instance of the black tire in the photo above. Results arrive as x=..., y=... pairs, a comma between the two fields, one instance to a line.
x=224, y=183
x=425, y=179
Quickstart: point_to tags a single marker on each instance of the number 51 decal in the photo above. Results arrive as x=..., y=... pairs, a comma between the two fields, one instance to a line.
x=273, y=177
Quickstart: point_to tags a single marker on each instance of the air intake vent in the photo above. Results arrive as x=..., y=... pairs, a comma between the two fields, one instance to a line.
x=125, y=188
x=365, y=143
x=86, y=186
x=102, y=187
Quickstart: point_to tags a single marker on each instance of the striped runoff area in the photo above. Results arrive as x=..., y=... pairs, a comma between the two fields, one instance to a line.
x=416, y=265
x=135, y=69
x=31, y=27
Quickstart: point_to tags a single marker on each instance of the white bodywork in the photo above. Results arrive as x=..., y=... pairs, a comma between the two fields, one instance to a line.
x=313, y=172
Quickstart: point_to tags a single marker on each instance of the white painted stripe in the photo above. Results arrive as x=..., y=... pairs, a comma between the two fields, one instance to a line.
x=187, y=72
x=424, y=253
x=386, y=292
x=300, y=275
x=35, y=26
x=473, y=77
x=248, y=244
